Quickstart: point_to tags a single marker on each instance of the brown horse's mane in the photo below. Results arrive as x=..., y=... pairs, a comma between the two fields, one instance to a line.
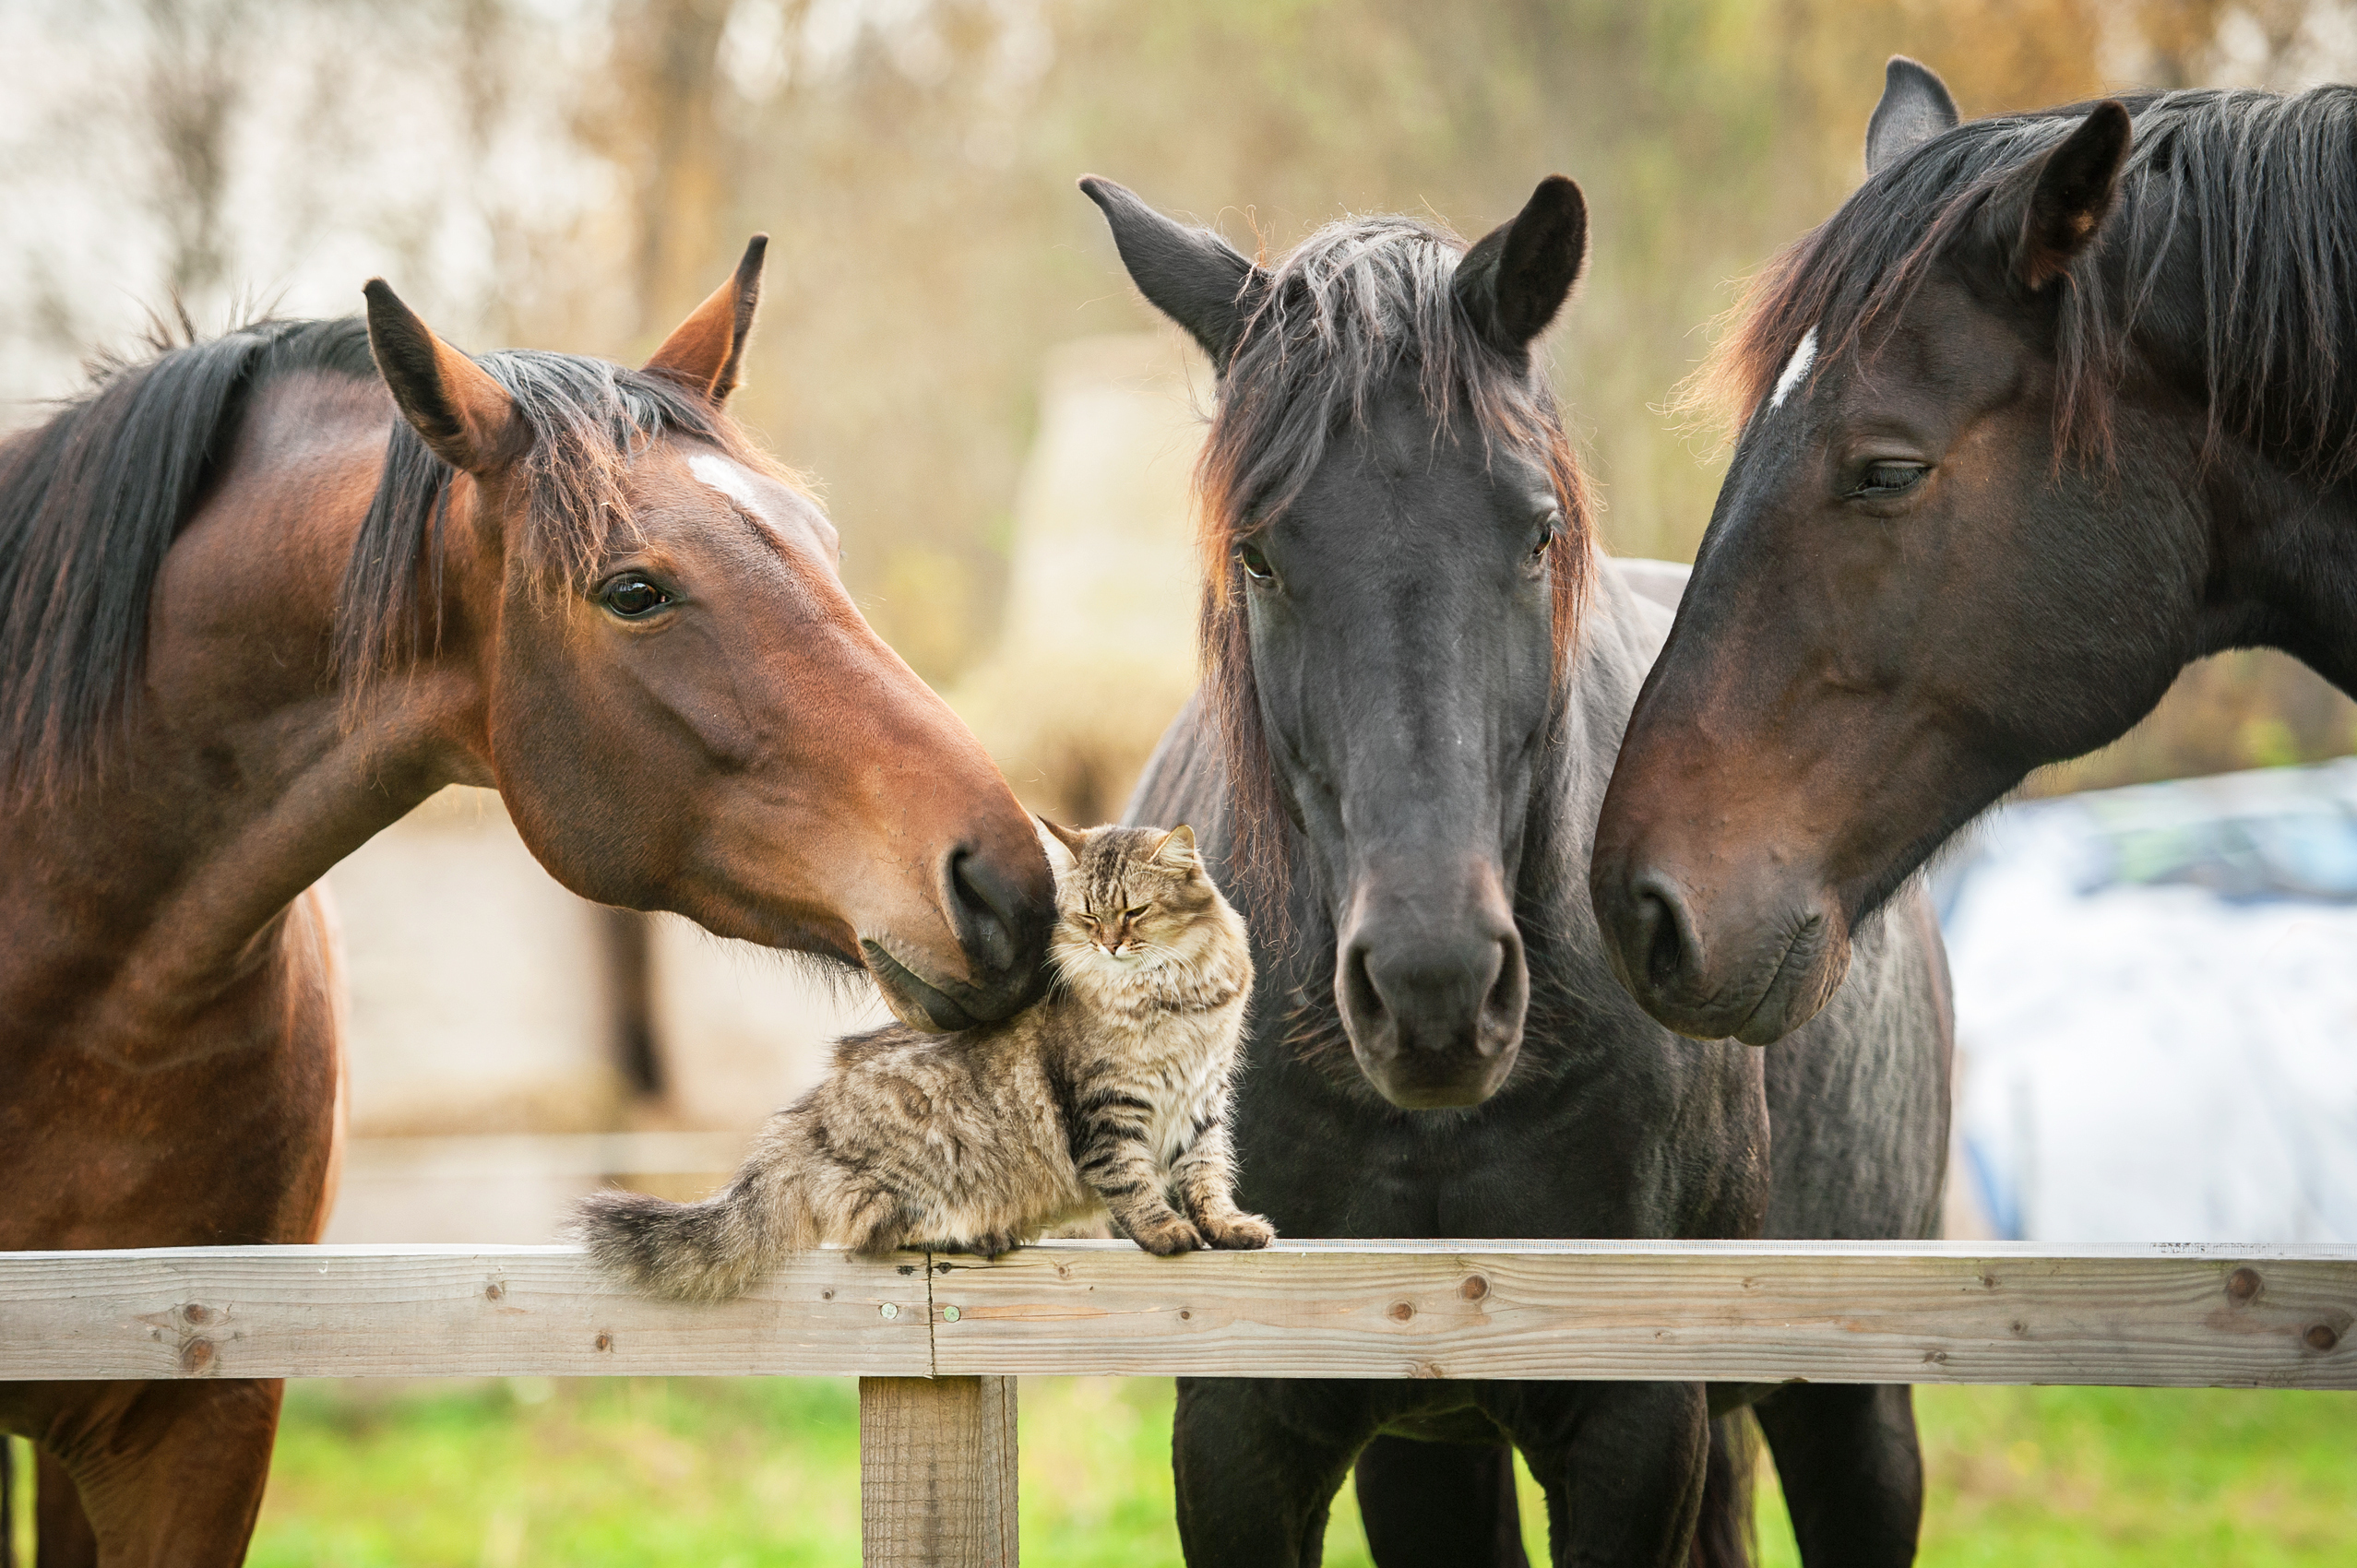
x=588, y=417
x=1359, y=302
x=92, y=498
x=2236, y=205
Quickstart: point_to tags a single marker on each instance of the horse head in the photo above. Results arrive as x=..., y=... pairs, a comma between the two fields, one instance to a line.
x=1395, y=549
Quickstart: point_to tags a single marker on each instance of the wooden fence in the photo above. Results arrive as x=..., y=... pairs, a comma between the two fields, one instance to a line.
x=936, y=1338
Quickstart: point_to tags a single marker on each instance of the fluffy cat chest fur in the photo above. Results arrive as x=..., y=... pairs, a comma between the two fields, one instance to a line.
x=1171, y=1047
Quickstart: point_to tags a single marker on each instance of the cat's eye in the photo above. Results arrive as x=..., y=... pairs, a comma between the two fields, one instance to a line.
x=1133, y=914
x=1084, y=918
x=1256, y=562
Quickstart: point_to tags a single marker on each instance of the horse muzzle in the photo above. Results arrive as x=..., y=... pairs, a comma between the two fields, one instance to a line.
x=1753, y=958
x=1432, y=985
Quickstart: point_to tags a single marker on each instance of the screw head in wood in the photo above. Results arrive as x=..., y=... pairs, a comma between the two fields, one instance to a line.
x=889, y=1310
x=949, y=1314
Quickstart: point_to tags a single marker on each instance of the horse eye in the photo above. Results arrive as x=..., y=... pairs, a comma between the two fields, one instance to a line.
x=1546, y=541
x=1256, y=563
x=632, y=597
x=1890, y=478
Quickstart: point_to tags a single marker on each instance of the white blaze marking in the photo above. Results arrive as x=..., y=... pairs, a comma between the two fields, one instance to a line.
x=729, y=480
x=1795, y=368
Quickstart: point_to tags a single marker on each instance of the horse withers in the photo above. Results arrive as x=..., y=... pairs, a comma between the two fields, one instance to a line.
x=258, y=600
x=1416, y=681
x=2055, y=404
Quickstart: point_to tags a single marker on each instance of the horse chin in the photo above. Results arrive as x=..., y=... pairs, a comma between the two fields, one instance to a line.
x=915, y=1002
x=1454, y=1084
x=1804, y=982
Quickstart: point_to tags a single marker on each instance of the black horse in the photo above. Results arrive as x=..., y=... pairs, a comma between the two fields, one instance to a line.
x=2055, y=405
x=1417, y=678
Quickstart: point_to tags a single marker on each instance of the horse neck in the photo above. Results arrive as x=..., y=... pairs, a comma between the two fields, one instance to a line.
x=2284, y=548
x=238, y=782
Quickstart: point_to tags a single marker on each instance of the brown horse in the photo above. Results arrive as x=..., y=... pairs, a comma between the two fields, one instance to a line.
x=257, y=602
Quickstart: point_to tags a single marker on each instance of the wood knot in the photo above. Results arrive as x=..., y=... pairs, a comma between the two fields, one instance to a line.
x=196, y=1356
x=1184, y=1314
x=494, y=1291
x=2243, y=1284
x=2321, y=1336
x=605, y=1341
x=826, y=1294
x=195, y=1313
x=1401, y=1312
x=1474, y=1288
x=1426, y=1369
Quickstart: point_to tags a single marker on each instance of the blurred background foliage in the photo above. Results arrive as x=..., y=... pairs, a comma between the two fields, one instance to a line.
x=577, y=173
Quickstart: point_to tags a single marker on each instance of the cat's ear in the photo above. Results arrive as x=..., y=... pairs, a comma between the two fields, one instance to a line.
x=1176, y=851
x=1063, y=846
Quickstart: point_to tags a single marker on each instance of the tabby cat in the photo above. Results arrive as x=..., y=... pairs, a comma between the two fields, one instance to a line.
x=1108, y=1096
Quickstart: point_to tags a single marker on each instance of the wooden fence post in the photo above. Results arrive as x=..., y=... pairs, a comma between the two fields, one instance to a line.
x=937, y=1472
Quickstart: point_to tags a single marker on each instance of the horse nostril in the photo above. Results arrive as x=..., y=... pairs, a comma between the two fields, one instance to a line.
x=1662, y=925
x=1510, y=993
x=979, y=908
x=1361, y=1003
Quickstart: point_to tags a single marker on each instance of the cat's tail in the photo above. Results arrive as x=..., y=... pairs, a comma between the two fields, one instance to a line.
x=699, y=1252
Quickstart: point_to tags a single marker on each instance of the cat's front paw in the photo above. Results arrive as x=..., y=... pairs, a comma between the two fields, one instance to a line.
x=1168, y=1238
x=1237, y=1232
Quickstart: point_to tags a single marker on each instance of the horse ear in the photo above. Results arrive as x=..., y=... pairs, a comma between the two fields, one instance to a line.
x=1915, y=107
x=1190, y=275
x=1517, y=277
x=466, y=418
x=2074, y=191
x=707, y=350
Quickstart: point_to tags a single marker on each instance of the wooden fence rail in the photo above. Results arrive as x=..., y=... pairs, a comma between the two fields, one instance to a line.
x=939, y=1335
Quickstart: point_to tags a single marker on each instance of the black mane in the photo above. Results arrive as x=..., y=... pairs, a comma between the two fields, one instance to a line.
x=91, y=500
x=2232, y=244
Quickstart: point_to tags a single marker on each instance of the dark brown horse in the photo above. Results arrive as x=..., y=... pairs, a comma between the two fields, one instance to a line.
x=2055, y=405
x=257, y=602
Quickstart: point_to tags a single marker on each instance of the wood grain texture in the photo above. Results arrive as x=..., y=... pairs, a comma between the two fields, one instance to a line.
x=937, y=1482
x=1737, y=1311
x=1731, y=1311
x=382, y=1312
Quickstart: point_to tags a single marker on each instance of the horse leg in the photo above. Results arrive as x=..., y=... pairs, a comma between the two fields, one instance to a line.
x=1853, y=1476
x=1623, y=1465
x=167, y=1472
x=1445, y=1504
x=62, y=1537
x=1257, y=1465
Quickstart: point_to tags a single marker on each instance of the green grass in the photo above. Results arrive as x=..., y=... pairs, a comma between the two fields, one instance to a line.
x=765, y=1472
